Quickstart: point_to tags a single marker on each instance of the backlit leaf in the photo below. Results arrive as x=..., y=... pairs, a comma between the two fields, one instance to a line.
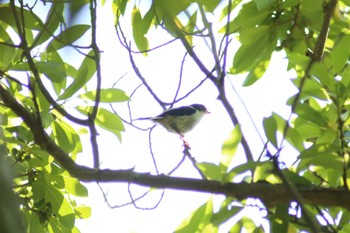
x=108, y=95
x=229, y=148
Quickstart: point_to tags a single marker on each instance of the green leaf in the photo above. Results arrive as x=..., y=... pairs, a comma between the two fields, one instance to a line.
x=8, y=54
x=210, y=170
x=60, y=206
x=296, y=178
x=209, y=5
x=82, y=211
x=264, y=172
x=225, y=12
x=74, y=187
x=86, y=70
x=67, y=37
x=263, y=4
x=63, y=136
x=108, y=95
x=256, y=72
x=227, y=211
x=139, y=30
x=33, y=223
x=280, y=220
x=270, y=127
x=293, y=136
x=54, y=196
x=248, y=17
x=312, y=13
x=340, y=53
x=198, y=219
x=38, y=190
x=55, y=15
x=171, y=8
x=106, y=120
x=242, y=168
x=119, y=6
x=323, y=155
x=257, y=45
x=229, y=148
x=320, y=71
x=290, y=3
x=54, y=71
x=31, y=22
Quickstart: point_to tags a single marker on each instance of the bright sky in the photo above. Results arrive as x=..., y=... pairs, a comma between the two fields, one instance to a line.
x=161, y=69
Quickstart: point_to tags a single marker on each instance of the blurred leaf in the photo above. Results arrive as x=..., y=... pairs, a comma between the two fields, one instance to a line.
x=225, y=12
x=242, y=168
x=82, y=211
x=210, y=170
x=312, y=11
x=340, y=53
x=296, y=178
x=8, y=54
x=264, y=172
x=108, y=95
x=86, y=70
x=67, y=37
x=227, y=211
x=55, y=197
x=293, y=136
x=31, y=22
x=251, y=53
x=106, y=120
x=229, y=148
x=290, y=3
x=55, y=16
x=270, y=127
x=209, y=5
x=263, y=4
x=320, y=71
x=198, y=219
x=73, y=186
x=256, y=72
x=33, y=224
x=63, y=136
x=171, y=8
x=54, y=71
x=139, y=29
x=119, y=6
x=248, y=17
x=280, y=220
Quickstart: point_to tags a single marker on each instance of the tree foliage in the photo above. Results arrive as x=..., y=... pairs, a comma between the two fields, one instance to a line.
x=48, y=101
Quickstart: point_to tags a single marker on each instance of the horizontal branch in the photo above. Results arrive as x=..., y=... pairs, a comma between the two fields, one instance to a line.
x=270, y=194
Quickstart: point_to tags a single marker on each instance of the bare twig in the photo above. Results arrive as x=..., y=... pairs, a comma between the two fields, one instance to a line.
x=151, y=150
x=193, y=160
x=133, y=201
x=180, y=80
x=93, y=114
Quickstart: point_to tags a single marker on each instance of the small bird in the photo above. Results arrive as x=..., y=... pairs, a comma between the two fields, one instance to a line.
x=180, y=120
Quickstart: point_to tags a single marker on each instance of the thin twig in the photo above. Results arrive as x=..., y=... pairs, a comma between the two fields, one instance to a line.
x=93, y=114
x=180, y=79
x=193, y=160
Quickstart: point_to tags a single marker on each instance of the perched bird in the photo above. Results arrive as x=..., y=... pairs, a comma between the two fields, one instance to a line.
x=182, y=119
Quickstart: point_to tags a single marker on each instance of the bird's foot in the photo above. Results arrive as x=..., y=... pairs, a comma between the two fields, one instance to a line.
x=185, y=143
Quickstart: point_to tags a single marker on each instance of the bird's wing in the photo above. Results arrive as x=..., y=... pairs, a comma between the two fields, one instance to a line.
x=181, y=111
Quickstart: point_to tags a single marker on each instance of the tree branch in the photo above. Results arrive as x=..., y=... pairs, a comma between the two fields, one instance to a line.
x=270, y=194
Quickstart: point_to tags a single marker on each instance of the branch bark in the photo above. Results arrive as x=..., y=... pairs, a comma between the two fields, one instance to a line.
x=270, y=194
